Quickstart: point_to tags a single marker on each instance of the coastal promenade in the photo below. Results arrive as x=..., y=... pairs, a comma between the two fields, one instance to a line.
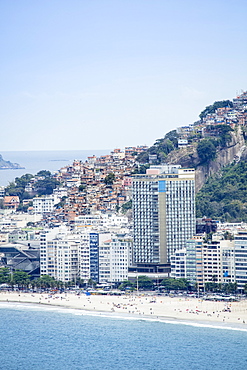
x=226, y=314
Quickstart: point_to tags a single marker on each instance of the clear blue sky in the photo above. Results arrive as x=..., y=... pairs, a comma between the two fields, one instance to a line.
x=99, y=74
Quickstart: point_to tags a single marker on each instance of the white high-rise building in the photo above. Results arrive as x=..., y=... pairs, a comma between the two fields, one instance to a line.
x=44, y=204
x=115, y=256
x=163, y=212
x=241, y=259
x=67, y=256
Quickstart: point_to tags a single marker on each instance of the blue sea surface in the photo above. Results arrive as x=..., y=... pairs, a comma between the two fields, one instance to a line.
x=34, y=337
x=34, y=161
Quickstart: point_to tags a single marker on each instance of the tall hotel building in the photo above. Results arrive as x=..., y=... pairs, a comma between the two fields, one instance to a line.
x=163, y=213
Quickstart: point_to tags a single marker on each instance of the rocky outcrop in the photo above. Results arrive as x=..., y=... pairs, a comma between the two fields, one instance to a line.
x=7, y=165
x=187, y=157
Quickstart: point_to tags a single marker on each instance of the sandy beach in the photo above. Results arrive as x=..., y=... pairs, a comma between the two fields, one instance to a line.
x=232, y=314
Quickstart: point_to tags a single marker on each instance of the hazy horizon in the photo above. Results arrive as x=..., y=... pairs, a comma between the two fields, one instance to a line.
x=107, y=73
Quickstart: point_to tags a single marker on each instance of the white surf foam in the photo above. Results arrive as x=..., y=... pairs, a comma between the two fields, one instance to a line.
x=112, y=315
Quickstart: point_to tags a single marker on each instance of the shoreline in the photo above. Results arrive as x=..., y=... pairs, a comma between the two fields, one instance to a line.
x=186, y=311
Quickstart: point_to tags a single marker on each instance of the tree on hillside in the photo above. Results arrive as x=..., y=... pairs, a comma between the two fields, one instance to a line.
x=162, y=147
x=141, y=169
x=46, y=186
x=110, y=178
x=18, y=186
x=224, y=195
x=206, y=151
x=44, y=173
x=126, y=206
x=223, y=134
x=173, y=137
x=212, y=108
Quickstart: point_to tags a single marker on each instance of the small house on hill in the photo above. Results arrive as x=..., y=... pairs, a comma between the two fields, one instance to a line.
x=11, y=202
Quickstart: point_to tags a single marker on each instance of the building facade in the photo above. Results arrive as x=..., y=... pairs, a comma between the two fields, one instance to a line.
x=44, y=204
x=67, y=256
x=241, y=259
x=215, y=262
x=115, y=257
x=183, y=261
x=163, y=213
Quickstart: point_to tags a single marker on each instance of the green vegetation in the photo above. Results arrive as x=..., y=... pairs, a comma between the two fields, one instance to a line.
x=222, y=132
x=126, y=206
x=244, y=131
x=44, y=173
x=19, y=278
x=162, y=147
x=213, y=287
x=110, y=178
x=224, y=196
x=92, y=283
x=141, y=169
x=24, y=208
x=18, y=187
x=47, y=281
x=212, y=108
x=126, y=284
x=206, y=148
x=145, y=283
x=82, y=188
x=4, y=275
x=175, y=284
x=22, y=280
x=44, y=185
x=206, y=151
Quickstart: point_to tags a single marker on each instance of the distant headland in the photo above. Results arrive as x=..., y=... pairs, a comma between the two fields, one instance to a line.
x=7, y=165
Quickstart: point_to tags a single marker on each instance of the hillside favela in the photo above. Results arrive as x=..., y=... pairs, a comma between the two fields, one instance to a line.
x=161, y=231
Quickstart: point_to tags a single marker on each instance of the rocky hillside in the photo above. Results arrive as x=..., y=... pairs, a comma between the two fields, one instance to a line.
x=188, y=157
x=208, y=145
x=6, y=165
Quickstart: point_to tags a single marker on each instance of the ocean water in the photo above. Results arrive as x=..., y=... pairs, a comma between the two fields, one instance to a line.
x=41, y=337
x=34, y=161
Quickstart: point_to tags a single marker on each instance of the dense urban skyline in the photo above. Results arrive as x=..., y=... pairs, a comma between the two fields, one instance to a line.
x=107, y=74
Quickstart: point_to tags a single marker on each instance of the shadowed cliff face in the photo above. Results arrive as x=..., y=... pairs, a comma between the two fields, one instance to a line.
x=187, y=157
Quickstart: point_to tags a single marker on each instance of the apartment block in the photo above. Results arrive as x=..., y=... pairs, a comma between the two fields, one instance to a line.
x=241, y=259
x=183, y=261
x=44, y=204
x=215, y=262
x=66, y=256
x=115, y=256
x=163, y=212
